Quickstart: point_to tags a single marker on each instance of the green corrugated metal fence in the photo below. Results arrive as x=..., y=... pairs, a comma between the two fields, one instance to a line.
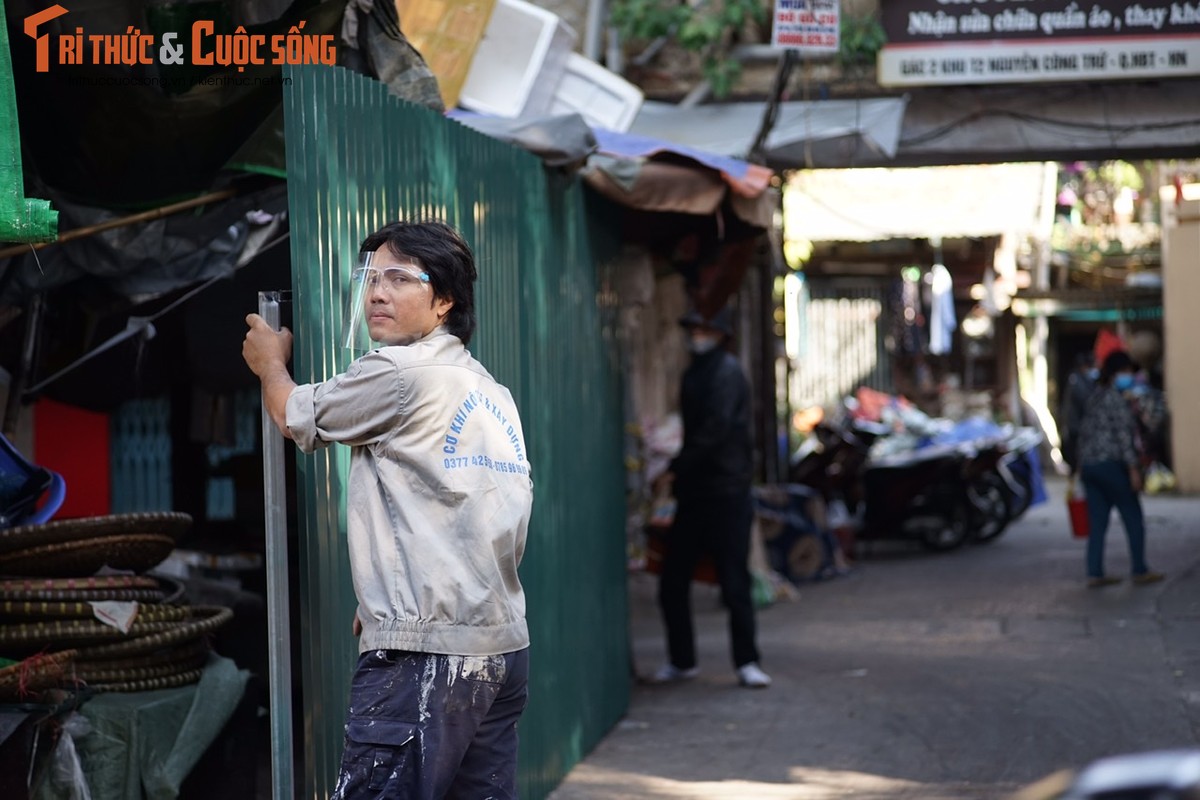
x=358, y=158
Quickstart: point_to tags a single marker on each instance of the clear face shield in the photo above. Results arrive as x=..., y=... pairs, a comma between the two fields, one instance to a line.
x=374, y=287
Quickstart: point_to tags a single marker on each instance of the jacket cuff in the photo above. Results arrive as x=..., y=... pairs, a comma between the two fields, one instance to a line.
x=302, y=418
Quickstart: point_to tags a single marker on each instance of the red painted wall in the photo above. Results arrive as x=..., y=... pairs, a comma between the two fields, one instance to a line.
x=74, y=443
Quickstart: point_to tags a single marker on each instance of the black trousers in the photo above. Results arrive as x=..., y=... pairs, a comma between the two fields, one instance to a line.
x=720, y=526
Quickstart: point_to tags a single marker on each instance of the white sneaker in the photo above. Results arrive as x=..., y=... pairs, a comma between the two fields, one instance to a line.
x=752, y=677
x=669, y=673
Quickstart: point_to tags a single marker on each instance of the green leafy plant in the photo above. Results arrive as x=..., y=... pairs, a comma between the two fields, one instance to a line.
x=860, y=40
x=709, y=28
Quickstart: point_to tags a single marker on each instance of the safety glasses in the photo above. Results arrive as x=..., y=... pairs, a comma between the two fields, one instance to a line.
x=396, y=278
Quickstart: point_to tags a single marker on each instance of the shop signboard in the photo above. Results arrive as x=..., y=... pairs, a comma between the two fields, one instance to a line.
x=942, y=42
x=807, y=26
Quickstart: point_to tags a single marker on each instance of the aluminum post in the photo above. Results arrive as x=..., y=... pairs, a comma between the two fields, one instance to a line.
x=279, y=644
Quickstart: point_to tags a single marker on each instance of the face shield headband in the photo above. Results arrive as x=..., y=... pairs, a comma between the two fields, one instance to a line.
x=366, y=282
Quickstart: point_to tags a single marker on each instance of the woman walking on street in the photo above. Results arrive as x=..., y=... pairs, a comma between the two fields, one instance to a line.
x=1110, y=467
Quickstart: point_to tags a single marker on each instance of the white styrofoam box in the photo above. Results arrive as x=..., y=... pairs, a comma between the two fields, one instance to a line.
x=519, y=61
x=603, y=98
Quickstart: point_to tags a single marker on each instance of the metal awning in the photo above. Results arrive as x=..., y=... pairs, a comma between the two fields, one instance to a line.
x=639, y=171
x=805, y=134
x=1052, y=122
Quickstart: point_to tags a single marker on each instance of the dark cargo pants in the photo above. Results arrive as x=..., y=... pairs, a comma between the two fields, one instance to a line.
x=423, y=727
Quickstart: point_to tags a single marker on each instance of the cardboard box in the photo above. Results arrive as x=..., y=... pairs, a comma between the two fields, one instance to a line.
x=446, y=33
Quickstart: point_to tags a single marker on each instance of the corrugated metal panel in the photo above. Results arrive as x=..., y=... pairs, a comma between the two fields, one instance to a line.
x=843, y=342
x=357, y=159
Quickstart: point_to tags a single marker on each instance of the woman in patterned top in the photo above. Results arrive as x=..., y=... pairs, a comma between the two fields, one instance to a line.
x=1110, y=467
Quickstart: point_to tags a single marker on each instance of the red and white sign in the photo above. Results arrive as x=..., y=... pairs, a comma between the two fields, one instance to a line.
x=810, y=26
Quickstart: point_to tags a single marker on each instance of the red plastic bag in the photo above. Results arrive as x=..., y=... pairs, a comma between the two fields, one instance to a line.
x=1078, y=511
x=1106, y=342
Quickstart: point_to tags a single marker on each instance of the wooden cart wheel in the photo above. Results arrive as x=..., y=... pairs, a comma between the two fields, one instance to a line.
x=805, y=558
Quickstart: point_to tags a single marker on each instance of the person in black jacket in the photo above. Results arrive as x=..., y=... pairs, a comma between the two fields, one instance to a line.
x=711, y=482
x=1080, y=385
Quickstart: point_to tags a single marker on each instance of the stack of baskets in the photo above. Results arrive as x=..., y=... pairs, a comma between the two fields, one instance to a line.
x=52, y=602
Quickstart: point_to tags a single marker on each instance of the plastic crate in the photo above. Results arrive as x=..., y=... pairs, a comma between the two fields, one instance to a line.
x=603, y=98
x=517, y=66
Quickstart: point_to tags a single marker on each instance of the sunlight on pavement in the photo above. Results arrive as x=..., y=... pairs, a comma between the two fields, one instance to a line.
x=805, y=783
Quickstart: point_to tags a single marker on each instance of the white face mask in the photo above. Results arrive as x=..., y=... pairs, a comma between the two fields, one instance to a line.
x=702, y=346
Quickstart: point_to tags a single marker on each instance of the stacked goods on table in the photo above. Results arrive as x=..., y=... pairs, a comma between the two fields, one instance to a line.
x=78, y=612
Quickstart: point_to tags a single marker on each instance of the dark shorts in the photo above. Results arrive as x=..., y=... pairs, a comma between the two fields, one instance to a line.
x=426, y=726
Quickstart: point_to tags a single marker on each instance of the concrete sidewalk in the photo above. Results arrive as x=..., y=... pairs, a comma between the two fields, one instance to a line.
x=924, y=676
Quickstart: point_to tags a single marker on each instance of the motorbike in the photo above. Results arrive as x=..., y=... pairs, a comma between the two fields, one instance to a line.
x=919, y=496
x=914, y=496
x=941, y=495
x=831, y=461
x=1019, y=472
x=990, y=506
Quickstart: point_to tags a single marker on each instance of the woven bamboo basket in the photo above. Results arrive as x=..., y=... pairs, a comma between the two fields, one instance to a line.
x=16, y=588
x=172, y=653
x=99, y=673
x=34, y=611
x=150, y=684
x=36, y=673
x=127, y=588
x=136, y=552
x=26, y=638
x=163, y=523
x=206, y=620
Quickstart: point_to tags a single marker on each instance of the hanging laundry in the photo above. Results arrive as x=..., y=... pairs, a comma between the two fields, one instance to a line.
x=942, y=320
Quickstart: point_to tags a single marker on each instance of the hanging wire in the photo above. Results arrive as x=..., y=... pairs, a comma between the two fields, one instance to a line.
x=37, y=260
x=1101, y=129
x=771, y=112
x=142, y=327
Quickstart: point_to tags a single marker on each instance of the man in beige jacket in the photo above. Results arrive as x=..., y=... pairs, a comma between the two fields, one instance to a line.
x=438, y=507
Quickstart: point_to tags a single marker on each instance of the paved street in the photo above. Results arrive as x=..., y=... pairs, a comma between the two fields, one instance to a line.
x=925, y=677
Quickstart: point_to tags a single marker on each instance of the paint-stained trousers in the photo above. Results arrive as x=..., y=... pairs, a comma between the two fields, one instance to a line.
x=424, y=727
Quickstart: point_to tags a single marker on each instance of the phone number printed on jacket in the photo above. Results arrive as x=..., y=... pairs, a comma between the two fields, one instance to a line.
x=458, y=462
x=453, y=439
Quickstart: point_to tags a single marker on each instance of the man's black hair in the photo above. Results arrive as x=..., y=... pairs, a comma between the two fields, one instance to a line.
x=441, y=252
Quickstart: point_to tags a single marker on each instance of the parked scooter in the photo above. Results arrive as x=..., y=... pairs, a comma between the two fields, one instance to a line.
x=941, y=495
x=919, y=496
x=912, y=496
x=1019, y=472
x=832, y=459
x=989, y=505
